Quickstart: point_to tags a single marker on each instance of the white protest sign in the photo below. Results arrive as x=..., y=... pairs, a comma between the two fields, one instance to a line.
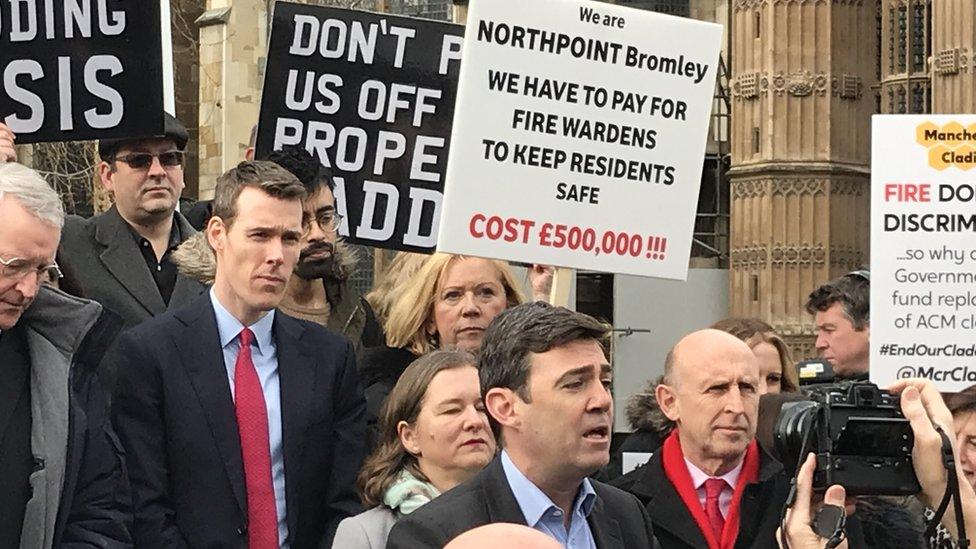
x=579, y=136
x=923, y=250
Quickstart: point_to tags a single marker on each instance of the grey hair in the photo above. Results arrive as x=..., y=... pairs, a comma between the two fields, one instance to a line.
x=32, y=191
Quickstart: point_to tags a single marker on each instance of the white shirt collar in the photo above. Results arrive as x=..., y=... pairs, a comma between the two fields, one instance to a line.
x=698, y=477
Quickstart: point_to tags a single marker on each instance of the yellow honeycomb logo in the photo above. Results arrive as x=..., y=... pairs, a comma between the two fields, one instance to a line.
x=950, y=145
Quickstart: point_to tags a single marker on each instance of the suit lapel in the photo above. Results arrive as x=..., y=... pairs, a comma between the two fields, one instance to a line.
x=203, y=358
x=665, y=506
x=122, y=258
x=296, y=374
x=605, y=528
x=501, y=502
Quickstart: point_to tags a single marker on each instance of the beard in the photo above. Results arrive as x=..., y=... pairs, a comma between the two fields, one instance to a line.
x=313, y=269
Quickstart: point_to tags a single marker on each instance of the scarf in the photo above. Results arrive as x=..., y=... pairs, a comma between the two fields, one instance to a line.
x=408, y=493
x=677, y=472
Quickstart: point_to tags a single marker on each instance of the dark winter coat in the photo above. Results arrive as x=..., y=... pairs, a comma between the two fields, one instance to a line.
x=650, y=427
x=675, y=527
x=80, y=489
x=379, y=369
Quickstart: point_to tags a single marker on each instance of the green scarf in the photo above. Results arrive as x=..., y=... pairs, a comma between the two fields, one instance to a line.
x=408, y=493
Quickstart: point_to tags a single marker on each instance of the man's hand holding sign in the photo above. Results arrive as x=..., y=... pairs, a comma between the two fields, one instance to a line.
x=7, y=152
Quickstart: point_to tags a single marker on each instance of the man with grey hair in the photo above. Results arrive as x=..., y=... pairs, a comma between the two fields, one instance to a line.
x=61, y=479
x=546, y=384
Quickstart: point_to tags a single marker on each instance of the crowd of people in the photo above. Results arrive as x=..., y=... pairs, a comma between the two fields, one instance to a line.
x=218, y=383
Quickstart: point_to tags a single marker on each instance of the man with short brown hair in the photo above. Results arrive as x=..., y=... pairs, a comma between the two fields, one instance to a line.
x=841, y=312
x=217, y=398
x=545, y=378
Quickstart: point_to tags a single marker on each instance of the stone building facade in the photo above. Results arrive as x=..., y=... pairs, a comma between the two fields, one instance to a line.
x=806, y=77
x=954, y=56
x=802, y=72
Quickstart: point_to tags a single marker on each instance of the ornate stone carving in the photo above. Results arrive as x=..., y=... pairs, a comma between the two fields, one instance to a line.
x=804, y=255
x=847, y=188
x=820, y=2
x=948, y=61
x=749, y=85
x=846, y=86
x=846, y=257
x=800, y=83
x=749, y=189
x=754, y=256
x=742, y=5
x=799, y=187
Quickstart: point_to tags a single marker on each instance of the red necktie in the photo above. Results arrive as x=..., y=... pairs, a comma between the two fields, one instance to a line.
x=252, y=424
x=713, y=489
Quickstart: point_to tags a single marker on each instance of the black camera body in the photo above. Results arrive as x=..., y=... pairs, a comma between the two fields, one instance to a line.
x=858, y=434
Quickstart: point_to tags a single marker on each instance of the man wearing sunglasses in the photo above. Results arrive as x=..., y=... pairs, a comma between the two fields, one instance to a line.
x=61, y=477
x=121, y=258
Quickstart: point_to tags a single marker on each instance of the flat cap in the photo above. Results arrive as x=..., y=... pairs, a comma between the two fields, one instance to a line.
x=173, y=129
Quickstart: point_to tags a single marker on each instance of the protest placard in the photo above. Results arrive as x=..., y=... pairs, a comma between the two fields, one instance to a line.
x=579, y=136
x=80, y=69
x=372, y=97
x=923, y=249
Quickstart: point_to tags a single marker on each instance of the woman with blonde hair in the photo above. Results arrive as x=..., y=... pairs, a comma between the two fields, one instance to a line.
x=434, y=435
x=403, y=267
x=776, y=368
x=448, y=303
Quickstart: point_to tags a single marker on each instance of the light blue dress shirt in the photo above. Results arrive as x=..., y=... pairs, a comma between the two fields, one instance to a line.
x=264, y=355
x=545, y=516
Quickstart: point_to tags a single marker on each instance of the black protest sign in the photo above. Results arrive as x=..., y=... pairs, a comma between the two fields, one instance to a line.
x=372, y=97
x=80, y=69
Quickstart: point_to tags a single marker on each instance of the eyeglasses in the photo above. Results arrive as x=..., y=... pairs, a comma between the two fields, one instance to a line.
x=142, y=161
x=17, y=268
x=328, y=221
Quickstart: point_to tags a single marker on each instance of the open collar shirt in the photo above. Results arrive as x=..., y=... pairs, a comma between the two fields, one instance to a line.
x=545, y=516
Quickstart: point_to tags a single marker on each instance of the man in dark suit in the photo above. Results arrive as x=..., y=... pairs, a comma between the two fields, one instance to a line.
x=247, y=426
x=546, y=384
x=711, y=485
x=121, y=258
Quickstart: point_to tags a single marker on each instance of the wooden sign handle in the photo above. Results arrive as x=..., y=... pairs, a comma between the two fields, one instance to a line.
x=562, y=281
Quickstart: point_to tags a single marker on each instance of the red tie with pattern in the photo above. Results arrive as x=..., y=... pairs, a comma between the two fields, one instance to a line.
x=713, y=489
x=252, y=424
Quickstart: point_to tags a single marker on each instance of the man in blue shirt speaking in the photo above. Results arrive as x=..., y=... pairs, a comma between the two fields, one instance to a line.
x=546, y=384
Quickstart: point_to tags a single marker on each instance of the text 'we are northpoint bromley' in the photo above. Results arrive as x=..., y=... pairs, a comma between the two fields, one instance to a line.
x=591, y=49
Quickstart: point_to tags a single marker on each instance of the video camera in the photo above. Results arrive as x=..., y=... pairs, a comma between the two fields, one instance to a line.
x=859, y=436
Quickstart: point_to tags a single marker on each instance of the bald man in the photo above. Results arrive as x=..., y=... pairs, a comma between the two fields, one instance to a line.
x=711, y=485
x=500, y=534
